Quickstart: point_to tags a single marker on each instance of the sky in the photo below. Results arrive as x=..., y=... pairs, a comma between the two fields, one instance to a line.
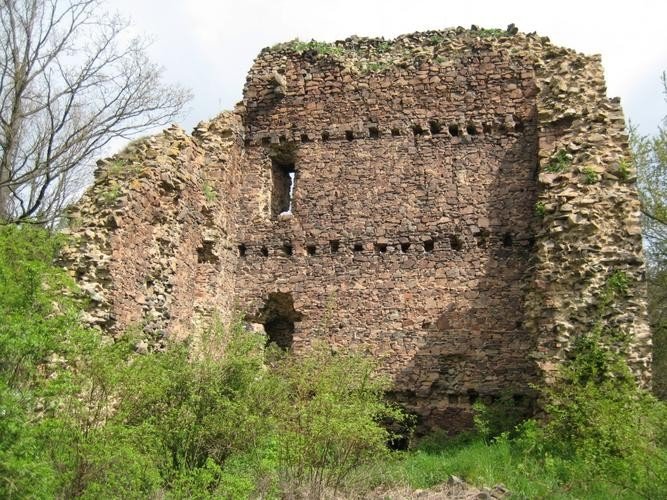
x=209, y=45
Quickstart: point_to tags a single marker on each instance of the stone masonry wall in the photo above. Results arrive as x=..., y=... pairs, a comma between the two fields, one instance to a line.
x=451, y=202
x=152, y=237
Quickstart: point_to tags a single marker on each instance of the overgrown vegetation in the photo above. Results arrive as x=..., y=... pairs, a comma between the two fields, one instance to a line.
x=603, y=438
x=650, y=158
x=491, y=32
x=86, y=418
x=314, y=46
x=590, y=175
x=210, y=194
x=559, y=162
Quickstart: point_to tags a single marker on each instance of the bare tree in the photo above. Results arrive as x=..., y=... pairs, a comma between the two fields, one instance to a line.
x=71, y=80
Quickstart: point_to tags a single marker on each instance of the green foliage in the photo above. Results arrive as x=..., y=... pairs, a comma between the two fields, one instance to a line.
x=111, y=195
x=82, y=417
x=300, y=47
x=39, y=331
x=122, y=168
x=559, y=162
x=86, y=418
x=375, y=66
x=210, y=194
x=383, y=47
x=500, y=417
x=117, y=167
x=649, y=154
x=624, y=169
x=603, y=438
x=590, y=175
x=436, y=39
x=491, y=32
x=329, y=418
x=598, y=416
x=540, y=209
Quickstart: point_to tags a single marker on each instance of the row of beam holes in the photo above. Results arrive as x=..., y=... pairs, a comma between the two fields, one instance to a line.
x=482, y=239
x=334, y=247
x=435, y=128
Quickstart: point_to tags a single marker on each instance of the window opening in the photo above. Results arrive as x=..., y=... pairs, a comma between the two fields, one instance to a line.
x=282, y=196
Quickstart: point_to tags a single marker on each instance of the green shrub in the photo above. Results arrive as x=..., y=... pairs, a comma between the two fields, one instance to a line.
x=210, y=194
x=491, y=32
x=328, y=418
x=590, y=176
x=597, y=414
x=559, y=162
x=83, y=417
x=300, y=47
x=38, y=315
x=500, y=417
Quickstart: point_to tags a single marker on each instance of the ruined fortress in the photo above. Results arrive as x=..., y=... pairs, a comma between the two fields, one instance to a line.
x=451, y=202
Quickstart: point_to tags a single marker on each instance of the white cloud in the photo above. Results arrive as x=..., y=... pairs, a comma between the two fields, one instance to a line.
x=209, y=45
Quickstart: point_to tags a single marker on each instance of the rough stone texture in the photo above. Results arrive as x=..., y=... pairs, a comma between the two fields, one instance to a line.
x=152, y=236
x=425, y=224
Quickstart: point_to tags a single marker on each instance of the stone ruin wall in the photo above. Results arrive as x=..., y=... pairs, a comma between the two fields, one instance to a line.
x=152, y=236
x=417, y=167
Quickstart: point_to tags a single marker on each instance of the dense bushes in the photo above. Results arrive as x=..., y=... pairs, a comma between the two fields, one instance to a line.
x=86, y=418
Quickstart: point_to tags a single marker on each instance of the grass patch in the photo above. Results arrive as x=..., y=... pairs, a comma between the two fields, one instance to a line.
x=513, y=463
x=299, y=46
x=590, y=175
x=559, y=162
x=491, y=32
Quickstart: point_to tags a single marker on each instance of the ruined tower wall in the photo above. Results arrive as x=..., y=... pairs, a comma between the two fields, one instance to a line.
x=423, y=177
x=590, y=217
x=459, y=202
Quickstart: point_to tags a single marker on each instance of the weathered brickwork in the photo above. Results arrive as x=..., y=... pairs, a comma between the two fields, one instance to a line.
x=451, y=202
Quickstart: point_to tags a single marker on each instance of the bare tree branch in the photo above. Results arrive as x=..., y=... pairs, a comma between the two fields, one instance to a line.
x=69, y=83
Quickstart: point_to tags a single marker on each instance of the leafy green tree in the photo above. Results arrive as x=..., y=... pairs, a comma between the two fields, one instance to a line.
x=650, y=156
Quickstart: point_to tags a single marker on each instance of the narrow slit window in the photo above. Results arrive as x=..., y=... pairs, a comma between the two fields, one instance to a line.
x=334, y=245
x=428, y=245
x=405, y=247
x=311, y=249
x=282, y=195
x=357, y=247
